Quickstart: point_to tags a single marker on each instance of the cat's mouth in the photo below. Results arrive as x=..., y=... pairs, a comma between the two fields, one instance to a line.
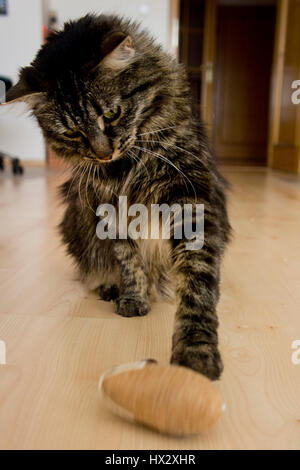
x=106, y=158
x=100, y=159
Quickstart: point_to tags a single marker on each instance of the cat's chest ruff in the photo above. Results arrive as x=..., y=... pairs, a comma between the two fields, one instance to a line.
x=136, y=220
x=139, y=222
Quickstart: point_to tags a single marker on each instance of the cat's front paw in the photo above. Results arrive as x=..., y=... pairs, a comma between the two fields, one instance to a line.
x=131, y=306
x=108, y=292
x=203, y=358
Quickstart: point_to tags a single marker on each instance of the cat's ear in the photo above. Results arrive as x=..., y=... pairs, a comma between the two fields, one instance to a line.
x=22, y=92
x=19, y=94
x=121, y=54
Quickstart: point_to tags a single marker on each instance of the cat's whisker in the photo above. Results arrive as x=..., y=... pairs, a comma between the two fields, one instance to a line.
x=138, y=160
x=157, y=130
x=76, y=171
x=79, y=185
x=93, y=181
x=169, y=145
x=165, y=159
x=98, y=176
x=86, y=186
x=134, y=158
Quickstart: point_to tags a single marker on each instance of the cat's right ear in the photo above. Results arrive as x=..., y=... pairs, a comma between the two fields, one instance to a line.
x=21, y=92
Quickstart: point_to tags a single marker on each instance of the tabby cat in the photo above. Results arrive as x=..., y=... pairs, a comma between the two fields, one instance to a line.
x=113, y=104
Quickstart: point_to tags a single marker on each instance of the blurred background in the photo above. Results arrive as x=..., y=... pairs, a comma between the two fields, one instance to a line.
x=242, y=57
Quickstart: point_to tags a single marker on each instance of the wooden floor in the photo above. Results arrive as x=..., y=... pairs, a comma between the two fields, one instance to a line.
x=59, y=338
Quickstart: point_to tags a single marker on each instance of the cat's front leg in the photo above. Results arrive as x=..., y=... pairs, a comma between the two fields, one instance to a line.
x=133, y=300
x=195, y=338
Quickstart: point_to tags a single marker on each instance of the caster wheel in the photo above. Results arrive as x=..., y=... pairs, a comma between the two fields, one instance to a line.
x=17, y=169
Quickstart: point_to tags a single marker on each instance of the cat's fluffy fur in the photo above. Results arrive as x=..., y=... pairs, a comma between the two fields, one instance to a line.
x=160, y=155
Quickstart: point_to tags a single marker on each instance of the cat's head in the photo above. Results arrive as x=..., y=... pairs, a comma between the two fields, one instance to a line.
x=94, y=87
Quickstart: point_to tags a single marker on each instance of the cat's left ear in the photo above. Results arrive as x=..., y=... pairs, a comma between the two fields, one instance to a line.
x=121, y=55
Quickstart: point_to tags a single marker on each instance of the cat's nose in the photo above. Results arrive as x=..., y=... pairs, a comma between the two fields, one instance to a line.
x=100, y=146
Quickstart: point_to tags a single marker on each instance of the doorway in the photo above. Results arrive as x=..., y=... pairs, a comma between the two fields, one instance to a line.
x=245, y=37
x=230, y=67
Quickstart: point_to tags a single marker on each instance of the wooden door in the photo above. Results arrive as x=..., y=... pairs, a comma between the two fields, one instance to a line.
x=245, y=36
x=284, y=136
x=197, y=50
x=191, y=36
x=209, y=64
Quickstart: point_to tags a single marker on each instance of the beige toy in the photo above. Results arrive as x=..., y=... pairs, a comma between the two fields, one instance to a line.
x=171, y=399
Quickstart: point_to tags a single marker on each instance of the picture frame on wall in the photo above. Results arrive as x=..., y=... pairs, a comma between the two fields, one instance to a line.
x=3, y=7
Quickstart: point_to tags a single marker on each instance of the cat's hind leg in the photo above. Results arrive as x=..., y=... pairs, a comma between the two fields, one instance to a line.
x=106, y=283
x=108, y=291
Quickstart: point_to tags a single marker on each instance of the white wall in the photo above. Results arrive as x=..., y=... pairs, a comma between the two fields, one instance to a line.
x=20, y=39
x=154, y=14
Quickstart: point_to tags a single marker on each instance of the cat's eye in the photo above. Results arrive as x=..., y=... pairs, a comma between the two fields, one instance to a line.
x=74, y=134
x=112, y=115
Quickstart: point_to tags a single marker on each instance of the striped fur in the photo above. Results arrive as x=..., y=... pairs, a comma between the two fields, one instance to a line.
x=160, y=155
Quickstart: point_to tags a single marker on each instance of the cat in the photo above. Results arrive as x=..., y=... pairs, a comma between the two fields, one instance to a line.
x=113, y=104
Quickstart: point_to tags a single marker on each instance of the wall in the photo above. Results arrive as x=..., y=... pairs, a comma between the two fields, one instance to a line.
x=154, y=14
x=20, y=38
